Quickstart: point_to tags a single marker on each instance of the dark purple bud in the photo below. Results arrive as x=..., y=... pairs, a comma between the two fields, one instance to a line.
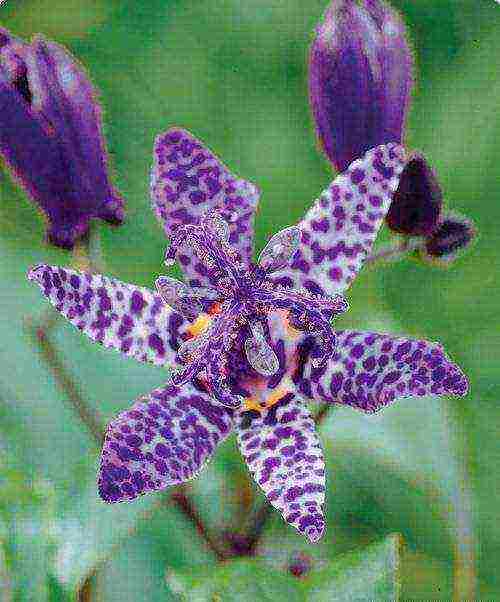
x=360, y=79
x=454, y=233
x=240, y=544
x=51, y=137
x=417, y=203
x=300, y=564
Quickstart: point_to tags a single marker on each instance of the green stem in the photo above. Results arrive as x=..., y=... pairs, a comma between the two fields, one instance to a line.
x=185, y=504
x=394, y=252
x=73, y=396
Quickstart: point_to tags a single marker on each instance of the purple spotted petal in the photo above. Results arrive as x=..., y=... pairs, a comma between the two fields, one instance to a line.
x=187, y=181
x=283, y=453
x=164, y=439
x=131, y=319
x=339, y=230
x=369, y=371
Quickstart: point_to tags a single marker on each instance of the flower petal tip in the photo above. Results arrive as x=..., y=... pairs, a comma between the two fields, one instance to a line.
x=107, y=484
x=459, y=383
x=171, y=136
x=315, y=532
x=35, y=274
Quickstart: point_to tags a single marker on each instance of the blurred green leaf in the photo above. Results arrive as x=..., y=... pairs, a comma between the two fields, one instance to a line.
x=93, y=530
x=243, y=580
x=28, y=538
x=362, y=576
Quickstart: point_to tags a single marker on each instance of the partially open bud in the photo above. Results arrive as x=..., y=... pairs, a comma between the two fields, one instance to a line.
x=454, y=233
x=417, y=202
x=360, y=79
x=51, y=137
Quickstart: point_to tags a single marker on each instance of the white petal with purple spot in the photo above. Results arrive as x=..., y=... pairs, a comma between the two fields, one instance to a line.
x=339, y=230
x=284, y=456
x=164, y=439
x=369, y=371
x=188, y=181
x=129, y=318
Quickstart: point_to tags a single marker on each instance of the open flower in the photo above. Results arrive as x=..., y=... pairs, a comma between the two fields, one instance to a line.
x=51, y=137
x=251, y=342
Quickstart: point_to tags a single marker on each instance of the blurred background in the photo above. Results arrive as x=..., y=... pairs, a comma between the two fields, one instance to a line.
x=235, y=73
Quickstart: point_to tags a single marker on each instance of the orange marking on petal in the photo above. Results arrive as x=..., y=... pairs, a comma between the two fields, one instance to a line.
x=199, y=326
x=253, y=403
x=214, y=309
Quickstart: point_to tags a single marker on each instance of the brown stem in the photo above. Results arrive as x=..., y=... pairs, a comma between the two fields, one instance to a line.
x=265, y=510
x=259, y=521
x=52, y=358
x=185, y=504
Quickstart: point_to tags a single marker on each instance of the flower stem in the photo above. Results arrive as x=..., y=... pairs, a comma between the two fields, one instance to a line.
x=87, y=254
x=52, y=358
x=394, y=252
x=185, y=504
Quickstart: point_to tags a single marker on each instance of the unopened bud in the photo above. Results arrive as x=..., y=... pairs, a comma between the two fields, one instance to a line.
x=417, y=202
x=454, y=234
x=360, y=79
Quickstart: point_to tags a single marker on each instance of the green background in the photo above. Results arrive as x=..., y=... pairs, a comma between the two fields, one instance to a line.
x=234, y=72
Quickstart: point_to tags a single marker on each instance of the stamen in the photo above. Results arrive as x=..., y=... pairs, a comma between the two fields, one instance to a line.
x=258, y=352
x=217, y=380
x=325, y=342
x=280, y=250
x=170, y=256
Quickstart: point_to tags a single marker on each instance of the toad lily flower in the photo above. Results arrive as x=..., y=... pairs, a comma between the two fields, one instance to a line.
x=251, y=342
x=51, y=137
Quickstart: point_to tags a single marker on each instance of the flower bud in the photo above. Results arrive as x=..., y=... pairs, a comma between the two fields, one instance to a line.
x=51, y=137
x=360, y=78
x=300, y=564
x=454, y=233
x=417, y=203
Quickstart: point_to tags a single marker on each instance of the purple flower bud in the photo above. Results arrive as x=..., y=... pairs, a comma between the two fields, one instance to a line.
x=51, y=137
x=417, y=203
x=454, y=233
x=300, y=564
x=360, y=78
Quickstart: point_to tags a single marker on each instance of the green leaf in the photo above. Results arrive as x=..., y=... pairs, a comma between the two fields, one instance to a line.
x=363, y=576
x=93, y=530
x=239, y=580
x=94, y=533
